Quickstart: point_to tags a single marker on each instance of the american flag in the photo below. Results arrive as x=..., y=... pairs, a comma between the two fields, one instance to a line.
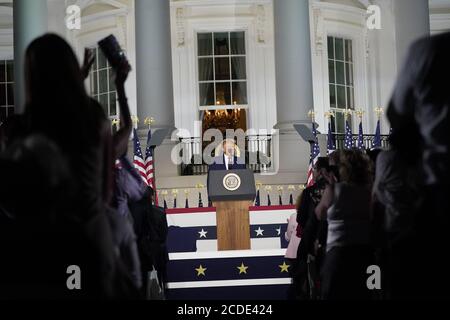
x=361, y=137
x=315, y=154
x=149, y=166
x=348, y=136
x=377, y=139
x=331, y=142
x=138, y=159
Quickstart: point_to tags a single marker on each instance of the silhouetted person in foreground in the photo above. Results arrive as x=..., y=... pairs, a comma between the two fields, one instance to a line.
x=419, y=111
x=59, y=109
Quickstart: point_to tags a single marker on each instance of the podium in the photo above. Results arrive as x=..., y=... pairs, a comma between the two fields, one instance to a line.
x=232, y=193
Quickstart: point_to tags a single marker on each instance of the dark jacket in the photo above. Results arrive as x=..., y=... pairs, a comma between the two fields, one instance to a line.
x=419, y=108
x=219, y=164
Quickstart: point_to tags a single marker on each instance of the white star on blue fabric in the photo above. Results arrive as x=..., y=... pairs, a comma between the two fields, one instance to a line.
x=278, y=231
x=259, y=232
x=203, y=233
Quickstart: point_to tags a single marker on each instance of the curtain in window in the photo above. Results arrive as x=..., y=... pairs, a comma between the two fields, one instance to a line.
x=206, y=73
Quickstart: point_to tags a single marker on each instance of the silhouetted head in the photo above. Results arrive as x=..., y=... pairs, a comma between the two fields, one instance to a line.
x=36, y=164
x=356, y=168
x=55, y=92
x=320, y=166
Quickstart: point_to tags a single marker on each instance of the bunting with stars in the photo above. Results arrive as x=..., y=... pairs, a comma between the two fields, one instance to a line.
x=256, y=276
x=196, y=268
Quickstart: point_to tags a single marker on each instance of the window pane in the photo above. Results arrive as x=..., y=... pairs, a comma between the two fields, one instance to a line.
x=350, y=121
x=3, y=114
x=348, y=51
x=207, y=94
x=101, y=59
x=223, y=93
x=103, y=99
x=2, y=94
x=112, y=84
x=2, y=71
x=94, y=65
x=339, y=49
x=222, y=68
x=112, y=104
x=340, y=75
x=205, y=69
x=331, y=71
x=333, y=124
x=349, y=74
x=10, y=71
x=10, y=111
x=333, y=96
x=239, y=93
x=330, y=48
x=341, y=97
x=237, y=40
x=10, y=94
x=340, y=123
x=221, y=44
x=238, y=68
x=204, y=44
x=350, y=98
x=94, y=84
x=103, y=81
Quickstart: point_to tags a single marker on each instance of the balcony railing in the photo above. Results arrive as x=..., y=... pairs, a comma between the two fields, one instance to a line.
x=368, y=141
x=258, y=152
x=258, y=155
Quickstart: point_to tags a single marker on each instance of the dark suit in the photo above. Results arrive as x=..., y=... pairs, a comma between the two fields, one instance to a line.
x=219, y=164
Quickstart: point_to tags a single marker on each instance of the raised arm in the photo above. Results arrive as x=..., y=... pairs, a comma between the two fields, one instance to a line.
x=121, y=137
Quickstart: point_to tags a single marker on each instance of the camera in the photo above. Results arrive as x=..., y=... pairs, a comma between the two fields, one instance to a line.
x=112, y=50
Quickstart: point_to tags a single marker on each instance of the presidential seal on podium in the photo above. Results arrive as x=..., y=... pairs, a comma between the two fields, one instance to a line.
x=231, y=182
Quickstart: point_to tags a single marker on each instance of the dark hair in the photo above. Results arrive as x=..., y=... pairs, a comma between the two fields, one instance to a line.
x=56, y=100
x=322, y=163
x=335, y=158
x=356, y=168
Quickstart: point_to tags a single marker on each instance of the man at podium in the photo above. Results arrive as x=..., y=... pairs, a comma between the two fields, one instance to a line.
x=228, y=159
x=231, y=188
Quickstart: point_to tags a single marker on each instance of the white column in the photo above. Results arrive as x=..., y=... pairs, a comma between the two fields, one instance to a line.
x=294, y=87
x=412, y=21
x=153, y=62
x=402, y=22
x=30, y=22
x=293, y=62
